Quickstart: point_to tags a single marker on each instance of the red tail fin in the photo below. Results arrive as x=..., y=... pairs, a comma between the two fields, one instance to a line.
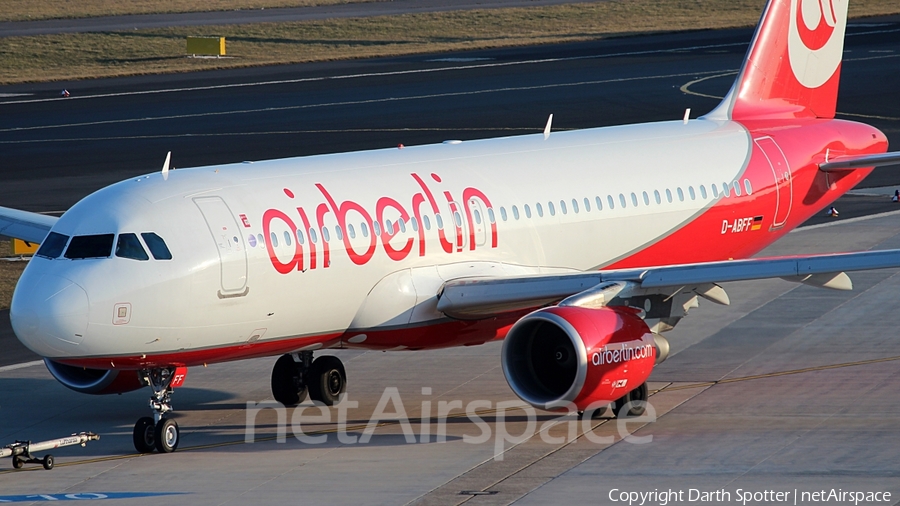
x=793, y=66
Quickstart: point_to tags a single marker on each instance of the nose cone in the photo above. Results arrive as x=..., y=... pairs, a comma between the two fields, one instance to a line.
x=50, y=316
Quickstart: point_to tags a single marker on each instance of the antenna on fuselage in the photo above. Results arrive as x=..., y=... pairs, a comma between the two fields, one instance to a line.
x=547, y=128
x=165, y=169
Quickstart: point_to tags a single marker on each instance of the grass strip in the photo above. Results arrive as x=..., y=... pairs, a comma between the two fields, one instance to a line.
x=33, y=10
x=89, y=55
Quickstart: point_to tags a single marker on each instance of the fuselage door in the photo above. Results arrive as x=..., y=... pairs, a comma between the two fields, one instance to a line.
x=229, y=243
x=783, y=181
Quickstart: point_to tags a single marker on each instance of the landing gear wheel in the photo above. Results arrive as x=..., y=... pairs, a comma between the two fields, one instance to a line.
x=144, y=441
x=166, y=435
x=599, y=412
x=47, y=462
x=327, y=380
x=287, y=382
x=17, y=463
x=636, y=401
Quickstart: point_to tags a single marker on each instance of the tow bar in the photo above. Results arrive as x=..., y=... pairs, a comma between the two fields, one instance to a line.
x=21, y=451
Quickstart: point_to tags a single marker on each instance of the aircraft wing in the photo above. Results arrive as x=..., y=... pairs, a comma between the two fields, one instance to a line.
x=31, y=227
x=474, y=298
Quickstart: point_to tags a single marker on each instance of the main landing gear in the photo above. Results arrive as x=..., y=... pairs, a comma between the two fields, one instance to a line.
x=638, y=402
x=296, y=374
x=157, y=432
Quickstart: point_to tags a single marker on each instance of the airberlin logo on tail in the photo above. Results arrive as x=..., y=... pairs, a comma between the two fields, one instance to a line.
x=816, y=39
x=402, y=230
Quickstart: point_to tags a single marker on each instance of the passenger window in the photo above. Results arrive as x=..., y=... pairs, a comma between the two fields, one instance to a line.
x=402, y=225
x=737, y=189
x=599, y=203
x=312, y=236
x=287, y=238
x=692, y=193
x=128, y=246
x=389, y=227
x=53, y=246
x=274, y=239
x=540, y=210
x=376, y=229
x=562, y=207
x=158, y=247
x=657, y=197
x=325, y=236
x=646, y=199
x=350, y=231
x=415, y=224
x=515, y=212
x=702, y=192
x=747, y=186
x=680, y=194
x=527, y=211
x=503, y=214
x=714, y=190
x=634, y=200
x=427, y=222
x=552, y=208
x=669, y=195
x=300, y=239
x=622, y=201
x=259, y=239
x=90, y=246
x=575, y=206
x=587, y=205
x=611, y=202
x=364, y=229
x=477, y=217
x=439, y=221
x=457, y=218
x=491, y=216
x=338, y=233
x=725, y=190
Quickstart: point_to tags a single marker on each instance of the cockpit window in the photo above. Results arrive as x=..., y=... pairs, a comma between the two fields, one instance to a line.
x=128, y=246
x=53, y=245
x=90, y=246
x=157, y=246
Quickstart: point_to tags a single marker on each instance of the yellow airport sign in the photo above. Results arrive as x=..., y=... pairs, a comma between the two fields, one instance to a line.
x=206, y=46
x=20, y=247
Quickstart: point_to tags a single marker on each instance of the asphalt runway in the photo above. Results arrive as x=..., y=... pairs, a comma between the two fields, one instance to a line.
x=790, y=388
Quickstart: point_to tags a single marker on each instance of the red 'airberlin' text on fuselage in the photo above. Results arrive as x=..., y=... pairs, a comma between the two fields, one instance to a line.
x=385, y=225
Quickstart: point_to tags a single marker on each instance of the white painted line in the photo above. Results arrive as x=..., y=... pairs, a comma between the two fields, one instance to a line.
x=372, y=74
x=846, y=221
x=349, y=102
x=20, y=366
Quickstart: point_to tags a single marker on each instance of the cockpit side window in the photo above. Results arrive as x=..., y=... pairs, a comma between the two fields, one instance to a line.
x=90, y=246
x=128, y=246
x=157, y=246
x=53, y=245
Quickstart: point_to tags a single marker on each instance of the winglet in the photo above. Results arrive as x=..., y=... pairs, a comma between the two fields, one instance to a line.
x=547, y=128
x=165, y=169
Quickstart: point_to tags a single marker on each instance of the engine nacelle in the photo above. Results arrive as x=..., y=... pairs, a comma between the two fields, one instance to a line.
x=561, y=356
x=94, y=381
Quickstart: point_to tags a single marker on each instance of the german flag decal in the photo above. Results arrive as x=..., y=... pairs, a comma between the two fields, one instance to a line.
x=757, y=223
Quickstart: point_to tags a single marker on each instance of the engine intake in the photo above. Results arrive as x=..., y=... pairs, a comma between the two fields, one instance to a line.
x=564, y=355
x=93, y=381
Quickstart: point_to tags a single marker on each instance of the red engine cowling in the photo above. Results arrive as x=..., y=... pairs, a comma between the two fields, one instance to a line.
x=94, y=381
x=561, y=356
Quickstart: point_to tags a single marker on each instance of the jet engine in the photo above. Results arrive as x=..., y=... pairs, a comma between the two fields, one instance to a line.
x=94, y=381
x=562, y=356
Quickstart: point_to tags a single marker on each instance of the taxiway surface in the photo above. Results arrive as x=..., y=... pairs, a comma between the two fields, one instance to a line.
x=790, y=388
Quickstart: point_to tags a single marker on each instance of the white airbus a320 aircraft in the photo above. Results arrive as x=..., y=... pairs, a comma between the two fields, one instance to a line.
x=579, y=248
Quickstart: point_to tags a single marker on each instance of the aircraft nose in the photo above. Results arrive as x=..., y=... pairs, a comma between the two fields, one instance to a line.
x=51, y=315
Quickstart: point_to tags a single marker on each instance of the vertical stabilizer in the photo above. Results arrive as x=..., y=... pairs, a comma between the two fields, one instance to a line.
x=793, y=66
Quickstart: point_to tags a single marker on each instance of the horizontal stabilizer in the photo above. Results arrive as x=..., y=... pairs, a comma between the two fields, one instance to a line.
x=861, y=161
x=30, y=227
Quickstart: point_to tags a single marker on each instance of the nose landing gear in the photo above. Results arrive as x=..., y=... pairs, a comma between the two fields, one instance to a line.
x=157, y=432
x=296, y=374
